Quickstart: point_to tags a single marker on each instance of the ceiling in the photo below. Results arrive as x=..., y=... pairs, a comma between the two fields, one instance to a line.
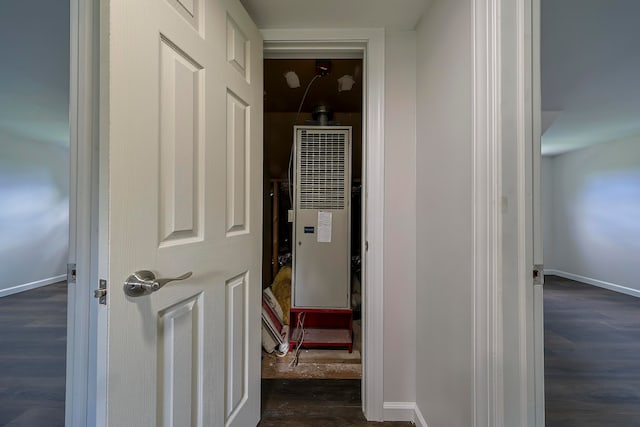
x=279, y=97
x=397, y=14
x=34, y=76
x=590, y=54
x=590, y=58
x=281, y=104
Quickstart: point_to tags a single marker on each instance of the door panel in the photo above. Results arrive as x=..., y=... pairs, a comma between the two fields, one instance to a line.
x=237, y=148
x=183, y=88
x=181, y=145
x=237, y=356
x=180, y=356
x=238, y=49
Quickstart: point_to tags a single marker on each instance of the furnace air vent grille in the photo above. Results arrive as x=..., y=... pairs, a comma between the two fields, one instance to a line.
x=322, y=157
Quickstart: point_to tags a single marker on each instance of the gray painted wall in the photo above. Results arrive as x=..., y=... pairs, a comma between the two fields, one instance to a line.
x=444, y=376
x=34, y=142
x=400, y=217
x=34, y=219
x=546, y=194
x=595, y=215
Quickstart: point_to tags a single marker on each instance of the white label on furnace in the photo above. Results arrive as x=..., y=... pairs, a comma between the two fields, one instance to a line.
x=324, y=226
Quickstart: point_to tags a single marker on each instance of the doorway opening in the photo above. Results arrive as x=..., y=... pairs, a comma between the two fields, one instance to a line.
x=367, y=45
x=590, y=189
x=34, y=288
x=324, y=94
x=34, y=220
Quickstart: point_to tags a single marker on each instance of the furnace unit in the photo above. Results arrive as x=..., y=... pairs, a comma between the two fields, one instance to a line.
x=322, y=217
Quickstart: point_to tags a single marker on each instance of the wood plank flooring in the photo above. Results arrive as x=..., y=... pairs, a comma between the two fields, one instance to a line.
x=592, y=356
x=592, y=365
x=313, y=364
x=33, y=334
x=314, y=403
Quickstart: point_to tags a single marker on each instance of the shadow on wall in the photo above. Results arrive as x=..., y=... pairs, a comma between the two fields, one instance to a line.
x=34, y=142
x=610, y=206
x=594, y=212
x=34, y=219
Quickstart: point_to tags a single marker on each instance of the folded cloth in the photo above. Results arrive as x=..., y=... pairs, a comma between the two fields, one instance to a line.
x=281, y=288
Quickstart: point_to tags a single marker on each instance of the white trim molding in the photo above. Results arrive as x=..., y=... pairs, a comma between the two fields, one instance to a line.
x=487, y=146
x=523, y=400
x=418, y=419
x=371, y=45
x=538, y=259
x=81, y=306
x=595, y=282
x=506, y=381
x=399, y=411
x=31, y=285
x=530, y=376
x=404, y=411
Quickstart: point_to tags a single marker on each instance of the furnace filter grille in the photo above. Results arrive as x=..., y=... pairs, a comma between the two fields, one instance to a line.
x=321, y=170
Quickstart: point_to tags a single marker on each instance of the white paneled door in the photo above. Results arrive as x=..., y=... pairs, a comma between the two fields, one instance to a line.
x=181, y=150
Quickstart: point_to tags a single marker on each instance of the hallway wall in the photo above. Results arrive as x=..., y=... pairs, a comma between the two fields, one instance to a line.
x=444, y=156
x=34, y=143
x=593, y=225
x=400, y=218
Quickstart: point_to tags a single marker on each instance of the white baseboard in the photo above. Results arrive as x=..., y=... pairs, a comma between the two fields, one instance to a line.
x=419, y=419
x=28, y=286
x=595, y=282
x=403, y=411
x=399, y=411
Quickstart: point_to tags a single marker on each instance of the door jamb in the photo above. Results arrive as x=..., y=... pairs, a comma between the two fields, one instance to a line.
x=523, y=379
x=538, y=256
x=82, y=309
x=370, y=42
x=506, y=304
x=487, y=142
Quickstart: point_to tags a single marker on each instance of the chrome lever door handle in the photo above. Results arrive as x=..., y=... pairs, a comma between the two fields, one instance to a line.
x=144, y=282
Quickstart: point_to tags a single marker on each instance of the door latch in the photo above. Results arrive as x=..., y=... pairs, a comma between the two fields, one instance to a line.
x=101, y=292
x=538, y=274
x=71, y=273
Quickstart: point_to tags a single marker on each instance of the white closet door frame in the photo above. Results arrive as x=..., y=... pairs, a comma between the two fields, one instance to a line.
x=369, y=44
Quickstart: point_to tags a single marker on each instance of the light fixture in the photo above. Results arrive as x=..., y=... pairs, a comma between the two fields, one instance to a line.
x=345, y=83
x=293, y=81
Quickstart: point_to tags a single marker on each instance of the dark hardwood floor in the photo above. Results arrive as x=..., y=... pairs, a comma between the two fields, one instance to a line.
x=592, y=365
x=33, y=334
x=314, y=403
x=592, y=356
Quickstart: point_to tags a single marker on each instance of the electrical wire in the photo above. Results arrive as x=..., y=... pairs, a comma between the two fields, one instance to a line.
x=306, y=91
x=300, y=327
x=292, y=144
x=300, y=320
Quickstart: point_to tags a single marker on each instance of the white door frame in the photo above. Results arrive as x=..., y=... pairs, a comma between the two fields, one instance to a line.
x=370, y=44
x=487, y=142
x=536, y=176
x=82, y=308
x=519, y=399
x=508, y=345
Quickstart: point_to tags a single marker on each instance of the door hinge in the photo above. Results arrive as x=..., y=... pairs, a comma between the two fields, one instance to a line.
x=101, y=292
x=71, y=273
x=538, y=274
